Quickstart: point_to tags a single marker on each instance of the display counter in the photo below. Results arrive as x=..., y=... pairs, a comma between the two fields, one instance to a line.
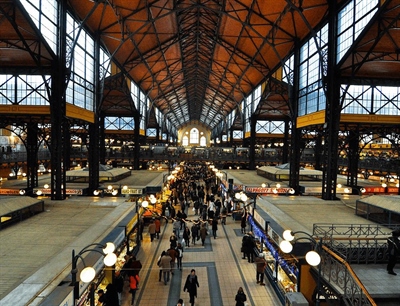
x=281, y=269
x=276, y=270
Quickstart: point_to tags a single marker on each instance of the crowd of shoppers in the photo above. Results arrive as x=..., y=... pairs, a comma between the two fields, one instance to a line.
x=193, y=193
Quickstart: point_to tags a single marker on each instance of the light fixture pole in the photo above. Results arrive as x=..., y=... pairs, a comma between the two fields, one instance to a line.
x=88, y=273
x=313, y=257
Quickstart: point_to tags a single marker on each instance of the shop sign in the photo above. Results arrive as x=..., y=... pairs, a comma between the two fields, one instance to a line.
x=260, y=220
x=393, y=190
x=137, y=191
x=275, y=237
x=9, y=191
x=67, y=191
x=374, y=189
x=269, y=190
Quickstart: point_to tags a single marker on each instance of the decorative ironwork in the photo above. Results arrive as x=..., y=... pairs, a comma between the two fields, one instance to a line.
x=342, y=279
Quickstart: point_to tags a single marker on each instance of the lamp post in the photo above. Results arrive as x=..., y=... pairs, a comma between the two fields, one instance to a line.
x=88, y=273
x=313, y=257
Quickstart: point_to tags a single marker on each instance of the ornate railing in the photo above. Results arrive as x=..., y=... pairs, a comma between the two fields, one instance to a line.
x=339, y=274
x=329, y=230
x=356, y=243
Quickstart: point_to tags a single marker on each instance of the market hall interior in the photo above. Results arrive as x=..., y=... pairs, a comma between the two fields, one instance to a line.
x=36, y=252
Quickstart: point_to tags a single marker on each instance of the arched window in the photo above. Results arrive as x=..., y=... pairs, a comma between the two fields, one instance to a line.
x=194, y=135
x=203, y=141
x=185, y=141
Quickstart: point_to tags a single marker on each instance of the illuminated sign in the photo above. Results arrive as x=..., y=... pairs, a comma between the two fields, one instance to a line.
x=138, y=191
x=67, y=191
x=263, y=190
x=9, y=191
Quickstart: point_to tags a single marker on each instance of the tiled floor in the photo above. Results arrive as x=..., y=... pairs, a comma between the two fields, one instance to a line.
x=219, y=267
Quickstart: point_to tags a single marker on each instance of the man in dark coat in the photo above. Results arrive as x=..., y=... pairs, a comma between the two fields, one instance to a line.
x=393, y=251
x=191, y=285
x=248, y=245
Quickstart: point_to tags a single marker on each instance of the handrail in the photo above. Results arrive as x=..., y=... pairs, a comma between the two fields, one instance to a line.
x=351, y=272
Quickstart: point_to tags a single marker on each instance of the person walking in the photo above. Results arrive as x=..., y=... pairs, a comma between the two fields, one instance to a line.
x=195, y=232
x=224, y=213
x=157, y=223
x=174, y=254
x=393, y=251
x=186, y=236
x=240, y=297
x=173, y=241
x=243, y=222
x=203, y=233
x=119, y=284
x=165, y=265
x=248, y=245
x=133, y=286
x=214, y=227
x=140, y=228
x=152, y=230
x=191, y=285
x=159, y=264
x=179, y=250
x=260, y=268
x=176, y=227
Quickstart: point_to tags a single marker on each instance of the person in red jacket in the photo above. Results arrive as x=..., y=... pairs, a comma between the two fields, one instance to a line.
x=134, y=286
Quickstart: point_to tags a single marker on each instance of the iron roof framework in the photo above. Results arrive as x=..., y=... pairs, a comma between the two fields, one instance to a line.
x=197, y=60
